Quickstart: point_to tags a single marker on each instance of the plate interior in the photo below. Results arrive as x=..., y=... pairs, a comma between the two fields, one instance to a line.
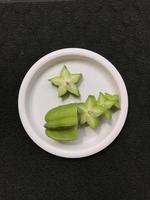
x=42, y=96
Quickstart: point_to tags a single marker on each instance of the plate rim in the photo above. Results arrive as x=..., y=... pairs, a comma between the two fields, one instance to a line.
x=106, y=64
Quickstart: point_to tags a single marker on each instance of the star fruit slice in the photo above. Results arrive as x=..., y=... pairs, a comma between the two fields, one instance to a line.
x=66, y=82
x=106, y=102
x=89, y=112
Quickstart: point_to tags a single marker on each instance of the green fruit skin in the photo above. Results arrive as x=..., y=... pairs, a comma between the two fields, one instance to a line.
x=63, y=134
x=62, y=116
x=67, y=121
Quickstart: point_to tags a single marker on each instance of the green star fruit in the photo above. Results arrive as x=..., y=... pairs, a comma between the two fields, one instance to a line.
x=66, y=82
x=106, y=102
x=89, y=112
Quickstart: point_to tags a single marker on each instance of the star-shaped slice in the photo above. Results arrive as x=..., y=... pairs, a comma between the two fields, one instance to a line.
x=89, y=112
x=106, y=102
x=66, y=82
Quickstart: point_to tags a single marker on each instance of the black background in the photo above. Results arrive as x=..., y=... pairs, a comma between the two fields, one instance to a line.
x=118, y=30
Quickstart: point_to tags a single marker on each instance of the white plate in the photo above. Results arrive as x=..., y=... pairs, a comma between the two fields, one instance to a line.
x=37, y=96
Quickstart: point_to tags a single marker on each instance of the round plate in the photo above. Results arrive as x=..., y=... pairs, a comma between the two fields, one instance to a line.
x=37, y=96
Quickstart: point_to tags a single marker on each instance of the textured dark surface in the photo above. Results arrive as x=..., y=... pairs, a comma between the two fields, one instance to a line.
x=120, y=31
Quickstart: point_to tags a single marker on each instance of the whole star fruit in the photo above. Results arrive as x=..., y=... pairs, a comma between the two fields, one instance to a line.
x=62, y=116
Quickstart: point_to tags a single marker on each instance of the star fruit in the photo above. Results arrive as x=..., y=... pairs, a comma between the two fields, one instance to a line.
x=89, y=112
x=106, y=102
x=66, y=82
